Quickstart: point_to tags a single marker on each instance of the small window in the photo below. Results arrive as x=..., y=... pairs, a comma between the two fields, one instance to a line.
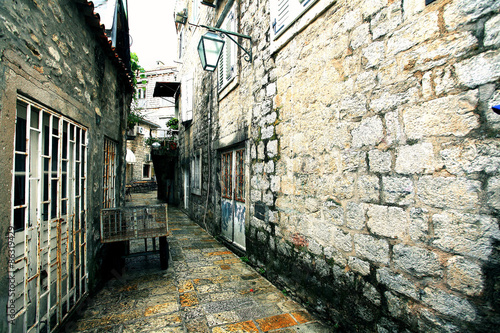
x=428, y=2
x=146, y=171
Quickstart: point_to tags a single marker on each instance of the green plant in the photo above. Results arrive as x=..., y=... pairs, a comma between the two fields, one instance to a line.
x=245, y=259
x=262, y=270
x=150, y=141
x=136, y=69
x=173, y=123
x=134, y=117
x=284, y=292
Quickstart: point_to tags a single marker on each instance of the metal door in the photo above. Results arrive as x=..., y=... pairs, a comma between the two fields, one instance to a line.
x=233, y=197
x=48, y=219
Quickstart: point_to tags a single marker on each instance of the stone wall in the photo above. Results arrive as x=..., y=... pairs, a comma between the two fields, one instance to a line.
x=54, y=54
x=374, y=160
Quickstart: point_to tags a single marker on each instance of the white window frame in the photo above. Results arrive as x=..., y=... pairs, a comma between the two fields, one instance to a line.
x=196, y=172
x=226, y=68
x=50, y=243
x=296, y=20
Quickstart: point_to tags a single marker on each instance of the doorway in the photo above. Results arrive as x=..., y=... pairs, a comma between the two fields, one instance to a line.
x=233, y=197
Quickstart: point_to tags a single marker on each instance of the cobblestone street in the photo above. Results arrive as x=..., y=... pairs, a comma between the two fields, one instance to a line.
x=207, y=288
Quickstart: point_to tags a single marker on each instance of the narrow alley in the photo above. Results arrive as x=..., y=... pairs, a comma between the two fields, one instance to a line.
x=206, y=288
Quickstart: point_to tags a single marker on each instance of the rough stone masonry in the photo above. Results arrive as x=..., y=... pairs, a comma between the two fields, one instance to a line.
x=376, y=156
x=373, y=168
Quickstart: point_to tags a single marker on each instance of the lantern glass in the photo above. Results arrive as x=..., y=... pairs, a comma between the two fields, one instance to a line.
x=210, y=49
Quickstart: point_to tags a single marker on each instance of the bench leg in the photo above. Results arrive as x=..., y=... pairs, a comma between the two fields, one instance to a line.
x=164, y=252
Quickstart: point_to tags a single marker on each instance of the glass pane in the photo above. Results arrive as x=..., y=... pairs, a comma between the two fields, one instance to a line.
x=64, y=207
x=64, y=187
x=21, y=130
x=46, y=133
x=34, y=154
x=55, y=125
x=34, y=121
x=20, y=163
x=53, y=199
x=65, y=140
x=19, y=190
x=55, y=155
x=77, y=144
x=45, y=186
x=45, y=212
x=77, y=177
x=19, y=214
x=77, y=215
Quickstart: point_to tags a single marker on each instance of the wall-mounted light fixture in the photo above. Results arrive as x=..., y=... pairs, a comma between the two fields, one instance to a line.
x=211, y=44
x=210, y=49
x=181, y=17
x=496, y=109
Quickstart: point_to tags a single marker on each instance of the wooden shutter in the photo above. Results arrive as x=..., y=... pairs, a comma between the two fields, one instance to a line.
x=285, y=12
x=187, y=98
x=227, y=62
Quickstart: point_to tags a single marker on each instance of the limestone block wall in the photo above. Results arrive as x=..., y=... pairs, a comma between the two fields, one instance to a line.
x=374, y=167
x=375, y=162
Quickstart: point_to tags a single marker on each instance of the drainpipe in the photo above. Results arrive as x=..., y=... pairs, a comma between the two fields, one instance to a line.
x=210, y=101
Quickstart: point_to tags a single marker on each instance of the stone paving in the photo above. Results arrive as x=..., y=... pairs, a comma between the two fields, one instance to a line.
x=207, y=288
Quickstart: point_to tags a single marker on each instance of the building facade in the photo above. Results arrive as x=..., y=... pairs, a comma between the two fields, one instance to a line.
x=355, y=159
x=65, y=94
x=158, y=110
x=140, y=167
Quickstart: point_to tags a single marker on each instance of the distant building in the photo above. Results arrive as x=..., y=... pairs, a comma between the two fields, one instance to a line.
x=140, y=164
x=65, y=93
x=156, y=109
x=355, y=158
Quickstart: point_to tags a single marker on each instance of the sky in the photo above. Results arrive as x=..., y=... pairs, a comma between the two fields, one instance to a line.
x=152, y=31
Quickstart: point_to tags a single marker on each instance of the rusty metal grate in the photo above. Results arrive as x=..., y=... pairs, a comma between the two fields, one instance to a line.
x=138, y=222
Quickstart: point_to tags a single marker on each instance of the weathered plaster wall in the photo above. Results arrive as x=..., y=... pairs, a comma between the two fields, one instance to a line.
x=49, y=54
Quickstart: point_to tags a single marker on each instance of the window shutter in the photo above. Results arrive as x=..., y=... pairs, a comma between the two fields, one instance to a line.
x=187, y=98
x=281, y=14
x=227, y=62
x=285, y=12
x=222, y=63
x=229, y=51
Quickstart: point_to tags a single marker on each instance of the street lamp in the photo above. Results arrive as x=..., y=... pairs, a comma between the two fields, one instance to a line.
x=211, y=44
x=210, y=49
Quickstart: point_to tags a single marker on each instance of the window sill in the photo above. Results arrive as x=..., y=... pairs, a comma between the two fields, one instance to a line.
x=229, y=87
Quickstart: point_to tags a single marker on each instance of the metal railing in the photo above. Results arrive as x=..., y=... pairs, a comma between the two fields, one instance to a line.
x=138, y=222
